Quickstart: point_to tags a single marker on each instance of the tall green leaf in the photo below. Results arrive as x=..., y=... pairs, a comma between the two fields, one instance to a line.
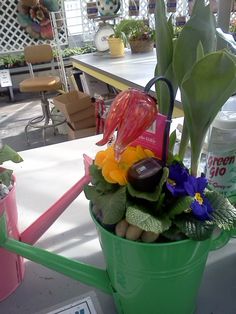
x=227, y=38
x=163, y=38
x=172, y=141
x=165, y=46
x=199, y=29
x=196, y=39
x=205, y=89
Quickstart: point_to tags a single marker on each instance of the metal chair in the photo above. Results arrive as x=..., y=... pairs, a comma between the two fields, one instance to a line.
x=41, y=84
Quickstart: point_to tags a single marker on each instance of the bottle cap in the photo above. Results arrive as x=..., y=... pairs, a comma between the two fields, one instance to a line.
x=225, y=120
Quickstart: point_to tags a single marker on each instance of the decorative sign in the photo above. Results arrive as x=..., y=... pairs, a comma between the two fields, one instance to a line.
x=153, y=138
x=84, y=304
x=5, y=78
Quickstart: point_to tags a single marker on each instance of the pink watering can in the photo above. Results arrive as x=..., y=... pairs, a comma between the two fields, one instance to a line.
x=15, y=244
x=12, y=264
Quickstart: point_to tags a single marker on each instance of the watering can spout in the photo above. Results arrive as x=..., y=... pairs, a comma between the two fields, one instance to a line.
x=74, y=269
x=40, y=226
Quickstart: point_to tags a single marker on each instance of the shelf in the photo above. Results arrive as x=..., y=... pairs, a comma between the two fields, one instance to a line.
x=106, y=17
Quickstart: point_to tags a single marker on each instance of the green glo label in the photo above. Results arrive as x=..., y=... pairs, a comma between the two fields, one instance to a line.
x=221, y=172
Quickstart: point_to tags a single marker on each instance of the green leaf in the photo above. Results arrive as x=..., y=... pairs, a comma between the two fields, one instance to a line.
x=184, y=141
x=160, y=202
x=7, y=153
x=163, y=38
x=91, y=193
x=150, y=196
x=205, y=89
x=180, y=205
x=193, y=228
x=173, y=234
x=5, y=176
x=200, y=51
x=172, y=141
x=200, y=28
x=98, y=180
x=165, y=46
x=224, y=214
x=112, y=205
x=144, y=220
x=228, y=38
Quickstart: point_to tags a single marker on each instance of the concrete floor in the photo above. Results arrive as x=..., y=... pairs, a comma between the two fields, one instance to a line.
x=14, y=117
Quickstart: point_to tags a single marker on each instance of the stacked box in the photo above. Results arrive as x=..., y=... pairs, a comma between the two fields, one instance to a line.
x=79, y=112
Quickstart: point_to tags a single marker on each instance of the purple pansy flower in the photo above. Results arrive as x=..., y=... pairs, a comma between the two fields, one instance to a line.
x=201, y=207
x=177, y=177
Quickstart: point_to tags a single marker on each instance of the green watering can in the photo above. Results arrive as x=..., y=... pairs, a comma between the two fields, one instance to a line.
x=148, y=278
x=153, y=278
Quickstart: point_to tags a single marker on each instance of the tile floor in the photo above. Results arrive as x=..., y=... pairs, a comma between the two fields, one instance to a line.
x=13, y=118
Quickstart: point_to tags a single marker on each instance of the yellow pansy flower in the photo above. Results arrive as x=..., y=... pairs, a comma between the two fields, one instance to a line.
x=116, y=171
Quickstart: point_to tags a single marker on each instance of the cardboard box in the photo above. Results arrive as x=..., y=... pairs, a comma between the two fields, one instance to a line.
x=72, y=135
x=83, y=124
x=73, y=102
x=89, y=112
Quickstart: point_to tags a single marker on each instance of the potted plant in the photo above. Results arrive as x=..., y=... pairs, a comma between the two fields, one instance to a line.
x=117, y=41
x=11, y=265
x=140, y=35
x=173, y=209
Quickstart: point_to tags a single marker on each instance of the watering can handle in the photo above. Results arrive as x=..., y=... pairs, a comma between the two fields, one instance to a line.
x=171, y=91
x=221, y=240
x=170, y=112
x=40, y=225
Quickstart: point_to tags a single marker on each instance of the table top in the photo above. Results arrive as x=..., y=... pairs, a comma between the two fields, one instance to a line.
x=132, y=69
x=44, y=175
